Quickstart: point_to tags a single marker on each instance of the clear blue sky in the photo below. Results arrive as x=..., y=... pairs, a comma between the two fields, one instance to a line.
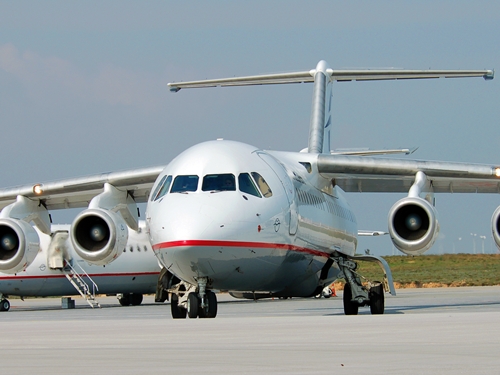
x=83, y=88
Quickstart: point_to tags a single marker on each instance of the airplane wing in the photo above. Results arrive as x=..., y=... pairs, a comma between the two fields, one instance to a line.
x=371, y=233
x=78, y=192
x=335, y=75
x=371, y=174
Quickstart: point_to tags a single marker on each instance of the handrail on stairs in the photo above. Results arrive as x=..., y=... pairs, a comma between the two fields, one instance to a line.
x=95, y=288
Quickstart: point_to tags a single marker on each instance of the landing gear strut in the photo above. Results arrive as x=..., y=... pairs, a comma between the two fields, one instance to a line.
x=356, y=294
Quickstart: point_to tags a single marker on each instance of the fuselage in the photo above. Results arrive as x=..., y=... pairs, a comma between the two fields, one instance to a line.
x=134, y=271
x=248, y=220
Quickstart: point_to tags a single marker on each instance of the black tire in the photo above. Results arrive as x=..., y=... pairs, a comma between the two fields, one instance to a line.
x=377, y=304
x=4, y=305
x=350, y=308
x=136, y=299
x=125, y=299
x=193, y=305
x=177, y=312
x=212, y=304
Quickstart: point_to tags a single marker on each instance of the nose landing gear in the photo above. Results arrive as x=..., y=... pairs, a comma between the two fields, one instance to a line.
x=194, y=301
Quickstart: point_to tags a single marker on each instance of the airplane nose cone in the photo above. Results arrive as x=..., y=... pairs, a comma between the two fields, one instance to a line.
x=201, y=217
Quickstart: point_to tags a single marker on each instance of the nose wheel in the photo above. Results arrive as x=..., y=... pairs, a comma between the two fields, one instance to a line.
x=193, y=301
x=197, y=309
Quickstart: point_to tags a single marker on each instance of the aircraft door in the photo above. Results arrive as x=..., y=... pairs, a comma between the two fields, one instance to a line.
x=286, y=181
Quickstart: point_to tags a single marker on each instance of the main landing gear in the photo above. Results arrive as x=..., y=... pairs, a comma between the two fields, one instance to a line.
x=4, y=304
x=356, y=294
x=193, y=301
x=127, y=299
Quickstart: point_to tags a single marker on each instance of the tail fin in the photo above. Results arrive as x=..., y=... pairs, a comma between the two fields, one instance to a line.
x=323, y=78
x=321, y=118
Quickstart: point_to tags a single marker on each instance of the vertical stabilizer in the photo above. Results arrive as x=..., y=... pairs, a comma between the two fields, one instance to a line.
x=319, y=128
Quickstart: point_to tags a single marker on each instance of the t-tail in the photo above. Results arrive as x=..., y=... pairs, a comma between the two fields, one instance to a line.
x=323, y=77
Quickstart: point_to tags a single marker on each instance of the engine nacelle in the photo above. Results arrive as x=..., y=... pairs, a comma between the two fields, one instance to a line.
x=99, y=236
x=19, y=244
x=495, y=226
x=413, y=225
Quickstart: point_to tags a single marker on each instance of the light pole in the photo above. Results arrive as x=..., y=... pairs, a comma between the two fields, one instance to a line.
x=474, y=235
x=454, y=249
x=482, y=243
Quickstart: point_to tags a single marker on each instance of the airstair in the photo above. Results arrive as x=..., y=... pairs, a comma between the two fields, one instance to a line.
x=77, y=280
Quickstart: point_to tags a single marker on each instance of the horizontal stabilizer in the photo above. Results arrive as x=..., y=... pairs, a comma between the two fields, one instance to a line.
x=333, y=75
x=368, y=152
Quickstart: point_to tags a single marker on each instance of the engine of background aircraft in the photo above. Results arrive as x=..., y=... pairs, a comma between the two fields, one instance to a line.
x=495, y=226
x=99, y=236
x=19, y=245
x=413, y=225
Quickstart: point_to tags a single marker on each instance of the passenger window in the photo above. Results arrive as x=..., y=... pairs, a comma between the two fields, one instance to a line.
x=246, y=185
x=262, y=184
x=163, y=187
x=218, y=182
x=185, y=184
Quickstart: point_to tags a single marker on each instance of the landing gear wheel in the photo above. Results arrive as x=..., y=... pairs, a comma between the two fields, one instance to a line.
x=350, y=308
x=124, y=299
x=212, y=304
x=377, y=299
x=4, y=305
x=193, y=304
x=135, y=299
x=177, y=312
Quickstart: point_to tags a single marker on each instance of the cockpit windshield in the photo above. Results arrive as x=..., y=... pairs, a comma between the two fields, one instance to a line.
x=219, y=182
x=184, y=184
x=247, y=185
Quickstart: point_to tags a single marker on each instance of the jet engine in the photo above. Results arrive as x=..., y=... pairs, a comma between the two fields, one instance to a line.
x=413, y=225
x=99, y=236
x=495, y=226
x=19, y=244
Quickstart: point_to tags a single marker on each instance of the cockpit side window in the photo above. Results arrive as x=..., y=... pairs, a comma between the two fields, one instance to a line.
x=162, y=188
x=158, y=187
x=219, y=182
x=262, y=184
x=247, y=185
x=185, y=184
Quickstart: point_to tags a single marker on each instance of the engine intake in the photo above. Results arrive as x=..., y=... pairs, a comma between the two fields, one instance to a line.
x=19, y=244
x=413, y=225
x=495, y=226
x=99, y=236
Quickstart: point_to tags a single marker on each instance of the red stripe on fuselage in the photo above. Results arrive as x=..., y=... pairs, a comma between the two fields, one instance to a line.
x=14, y=277
x=239, y=244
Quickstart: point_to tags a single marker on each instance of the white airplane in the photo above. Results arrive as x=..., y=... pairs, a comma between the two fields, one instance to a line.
x=225, y=215
x=58, y=270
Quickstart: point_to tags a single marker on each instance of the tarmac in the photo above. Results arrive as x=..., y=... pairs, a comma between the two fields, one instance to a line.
x=423, y=331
